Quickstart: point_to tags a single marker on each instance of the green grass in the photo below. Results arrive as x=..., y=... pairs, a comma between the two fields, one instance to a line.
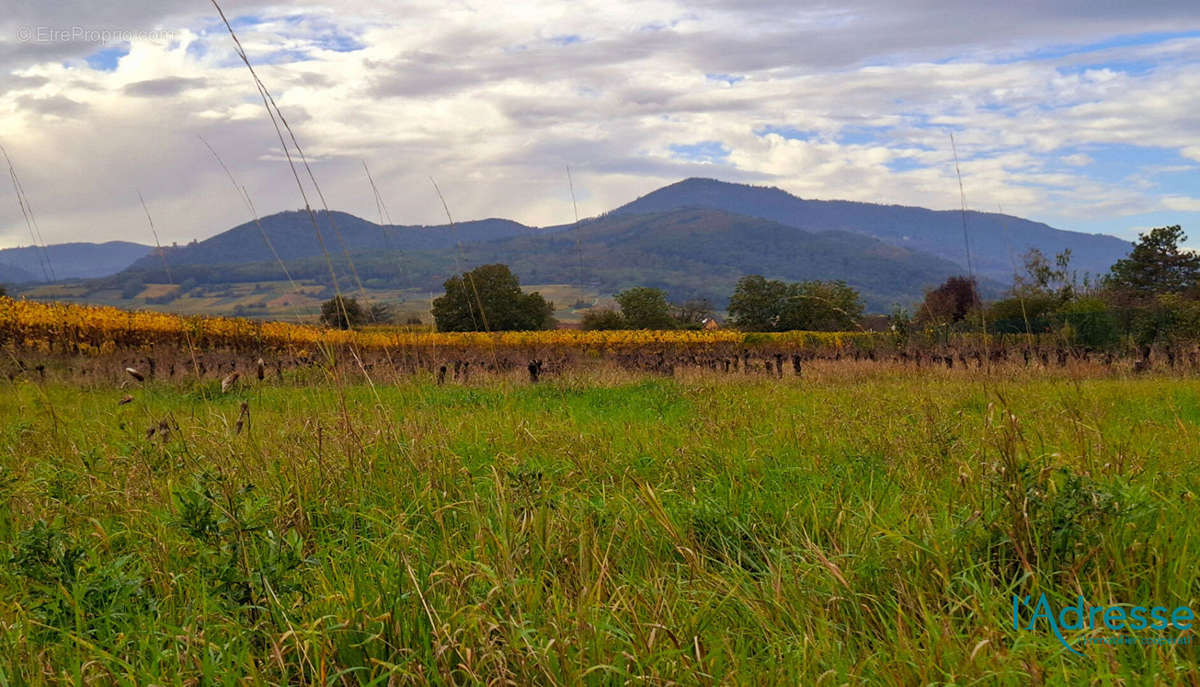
x=858, y=529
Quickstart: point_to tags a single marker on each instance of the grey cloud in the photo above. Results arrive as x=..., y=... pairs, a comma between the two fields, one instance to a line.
x=598, y=104
x=167, y=86
x=58, y=105
x=17, y=83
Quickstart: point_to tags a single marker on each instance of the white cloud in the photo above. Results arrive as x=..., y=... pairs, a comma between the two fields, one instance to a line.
x=495, y=100
x=1181, y=203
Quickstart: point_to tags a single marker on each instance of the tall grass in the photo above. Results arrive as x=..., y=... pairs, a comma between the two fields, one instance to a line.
x=867, y=527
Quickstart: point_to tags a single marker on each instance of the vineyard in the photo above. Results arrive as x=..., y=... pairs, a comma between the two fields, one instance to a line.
x=96, y=343
x=190, y=500
x=64, y=327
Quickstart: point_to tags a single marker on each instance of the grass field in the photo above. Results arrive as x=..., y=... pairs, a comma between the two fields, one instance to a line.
x=863, y=524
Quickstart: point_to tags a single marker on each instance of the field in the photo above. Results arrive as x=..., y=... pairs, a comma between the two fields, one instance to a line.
x=279, y=300
x=189, y=500
x=863, y=523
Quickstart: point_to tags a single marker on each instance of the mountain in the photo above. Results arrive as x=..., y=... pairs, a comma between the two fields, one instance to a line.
x=997, y=241
x=688, y=253
x=10, y=275
x=71, y=260
x=695, y=238
x=292, y=236
x=703, y=252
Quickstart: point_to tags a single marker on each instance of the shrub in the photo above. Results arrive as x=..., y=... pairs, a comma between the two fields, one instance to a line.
x=602, y=319
x=342, y=313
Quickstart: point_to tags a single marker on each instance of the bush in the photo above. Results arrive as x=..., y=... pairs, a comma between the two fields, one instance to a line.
x=645, y=308
x=1020, y=315
x=342, y=313
x=490, y=298
x=950, y=302
x=1092, y=323
x=602, y=319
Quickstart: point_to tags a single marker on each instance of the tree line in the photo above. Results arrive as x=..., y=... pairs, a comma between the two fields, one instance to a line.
x=1152, y=294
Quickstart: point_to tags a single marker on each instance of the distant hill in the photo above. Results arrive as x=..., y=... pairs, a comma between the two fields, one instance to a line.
x=293, y=238
x=10, y=275
x=71, y=260
x=996, y=240
x=695, y=238
x=688, y=253
x=703, y=252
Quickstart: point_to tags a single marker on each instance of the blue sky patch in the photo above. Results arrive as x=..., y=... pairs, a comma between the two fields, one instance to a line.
x=904, y=164
x=106, y=60
x=1127, y=41
x=789, y=132
x=246, y=21
x=704, y=151
x=730, y=79
x=863, y=135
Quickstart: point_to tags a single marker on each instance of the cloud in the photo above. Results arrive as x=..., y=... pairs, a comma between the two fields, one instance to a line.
x=1181, y=203
x=854, y=100
x=166, y=86
x=53, y=105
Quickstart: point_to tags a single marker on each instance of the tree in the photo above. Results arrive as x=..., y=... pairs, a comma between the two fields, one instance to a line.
x=3, y=291
x=764, y=305
x=602, y=318
x=820, y=306
x=342, y=313
x=131, y=287
x=380, y=313
x=754, y=305
x=1156, y=265
x=489, y=298
x=950, y=302
x=692, y=313
x=1043, y=279
x=645, y=308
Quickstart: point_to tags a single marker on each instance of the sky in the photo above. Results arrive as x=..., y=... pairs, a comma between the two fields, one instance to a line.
x=1081, y=114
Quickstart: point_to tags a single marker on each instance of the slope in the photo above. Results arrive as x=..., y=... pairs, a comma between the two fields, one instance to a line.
x=997, y=241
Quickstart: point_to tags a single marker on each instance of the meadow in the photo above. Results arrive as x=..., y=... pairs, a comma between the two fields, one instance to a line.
x=862, y=523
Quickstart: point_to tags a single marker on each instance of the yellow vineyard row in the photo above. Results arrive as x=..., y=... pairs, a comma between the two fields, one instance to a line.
x=99, y=329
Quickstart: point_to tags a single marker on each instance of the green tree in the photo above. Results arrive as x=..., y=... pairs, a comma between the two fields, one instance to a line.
x=1043, y=279
x=646, y=308
x=489, y=298
x=3, y=291
x=381, y=313
x=765, y=305
x=1090, y=322
x=1026, y=313
x=602, y=318
x=1156, y=265
x=131, y=287
x=754, y=305
x=342, y=313
x=820, y=306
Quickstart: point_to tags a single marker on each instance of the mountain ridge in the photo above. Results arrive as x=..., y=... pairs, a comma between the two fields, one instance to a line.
x=693, y=238
x=696, y=252
x=997, y=241
x=75, y=260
